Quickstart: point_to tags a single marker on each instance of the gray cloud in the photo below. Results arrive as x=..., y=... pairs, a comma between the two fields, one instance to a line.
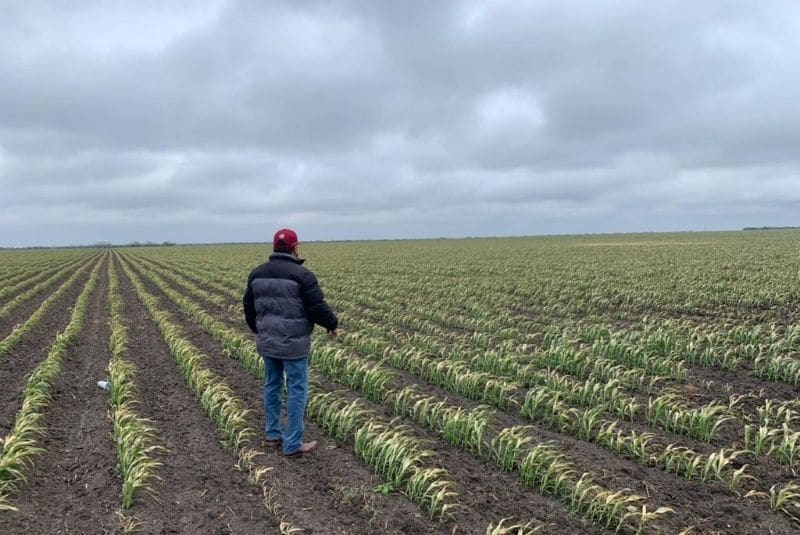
x=217, y=121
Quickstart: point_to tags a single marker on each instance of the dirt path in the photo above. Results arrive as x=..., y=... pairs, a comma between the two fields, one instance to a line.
x=328, y=492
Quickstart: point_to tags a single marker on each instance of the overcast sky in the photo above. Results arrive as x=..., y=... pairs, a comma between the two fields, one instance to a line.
x=194, y=121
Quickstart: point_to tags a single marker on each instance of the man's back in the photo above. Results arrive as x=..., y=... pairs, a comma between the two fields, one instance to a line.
x=282, y=302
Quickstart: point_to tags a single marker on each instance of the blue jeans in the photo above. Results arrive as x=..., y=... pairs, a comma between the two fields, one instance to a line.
x=296, y=372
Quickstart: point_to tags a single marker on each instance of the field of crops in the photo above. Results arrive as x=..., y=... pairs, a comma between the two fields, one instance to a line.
x=587, y=384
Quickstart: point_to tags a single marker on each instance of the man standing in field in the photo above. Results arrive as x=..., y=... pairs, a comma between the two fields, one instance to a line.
x=282, y=303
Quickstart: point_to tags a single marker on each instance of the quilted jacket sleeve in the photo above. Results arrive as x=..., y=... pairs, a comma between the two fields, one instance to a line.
x=314, y=301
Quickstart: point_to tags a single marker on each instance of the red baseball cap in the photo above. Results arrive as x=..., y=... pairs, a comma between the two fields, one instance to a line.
x=285, y=237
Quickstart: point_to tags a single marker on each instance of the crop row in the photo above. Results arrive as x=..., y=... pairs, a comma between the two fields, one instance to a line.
x=457, y=427
x=601, y=387
x=658, y=341
x=29, y=294
x=21, y=444
x=134, y=436
x=603, y=376
x=34, y=319
x=17, y=284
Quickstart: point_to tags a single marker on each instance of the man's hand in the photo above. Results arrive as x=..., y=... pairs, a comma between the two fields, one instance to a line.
x=333, y=334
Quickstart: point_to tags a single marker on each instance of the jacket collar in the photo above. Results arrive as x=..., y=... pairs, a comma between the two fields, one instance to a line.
x=287, y=256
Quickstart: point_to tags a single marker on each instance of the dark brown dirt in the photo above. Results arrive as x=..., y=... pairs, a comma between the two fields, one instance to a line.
x=329, y=491
x=32, y=349
x=74, y=487
x=200, y=489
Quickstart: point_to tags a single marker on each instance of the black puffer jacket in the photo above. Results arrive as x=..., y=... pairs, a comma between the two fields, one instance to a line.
x=282, y=303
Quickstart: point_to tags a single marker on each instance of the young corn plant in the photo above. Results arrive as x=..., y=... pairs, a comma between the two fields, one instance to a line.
x=542, y=404
x=634, y=445
x=335, y=415
x=134, y=436
x=777, y=368
x=497, y=362
x=681, y=460
x=394, y=452
x=431, y=487
x=458, y=426
x=784, y=499
x=507, y=447
x=547, y=469
x=704, y=422
x=582, y=492
x=529, y=528
x=670, y=413
x=455, y=376
x=26, y=279
x=786, y=449
x=372, y=379
x=614, y=508
x=404, y=400
x=716, y=463
x=644, y=517
x=18, y=301
x=135, y=449
x=428, y=410
x=760, y=440
x=778, y=411
x=585, y=422
x=606, y=436
x=465, y=429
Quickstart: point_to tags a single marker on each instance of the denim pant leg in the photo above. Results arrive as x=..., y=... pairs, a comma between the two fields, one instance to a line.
x=273, y=385
x=297, y=390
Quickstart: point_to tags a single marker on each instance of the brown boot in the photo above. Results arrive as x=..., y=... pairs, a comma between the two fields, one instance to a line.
x=305, y=447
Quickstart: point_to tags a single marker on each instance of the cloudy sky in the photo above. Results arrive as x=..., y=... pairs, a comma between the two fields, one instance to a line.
x=212, y=121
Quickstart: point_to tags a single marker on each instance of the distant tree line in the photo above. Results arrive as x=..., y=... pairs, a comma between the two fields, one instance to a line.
x=150, y=244
x=771, y=228
x=108, y=245
x=97, y=245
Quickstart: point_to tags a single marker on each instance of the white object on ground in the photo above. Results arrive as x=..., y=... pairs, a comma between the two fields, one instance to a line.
x=103, y=384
